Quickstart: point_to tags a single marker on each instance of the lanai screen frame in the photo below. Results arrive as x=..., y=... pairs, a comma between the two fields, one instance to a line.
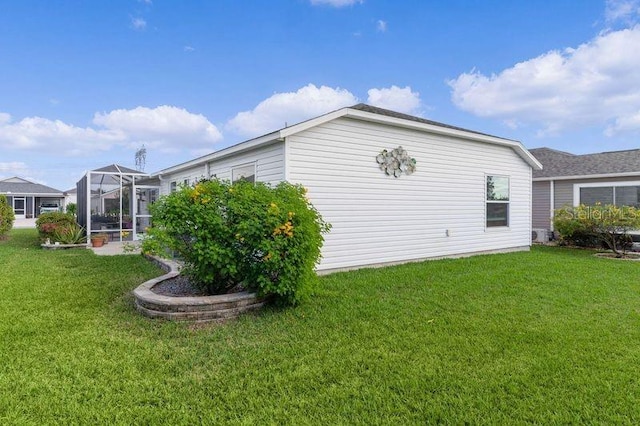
x=121, y=178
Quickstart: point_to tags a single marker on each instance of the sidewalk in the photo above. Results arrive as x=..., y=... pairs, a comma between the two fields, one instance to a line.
x=24, y=223
x=113, y=248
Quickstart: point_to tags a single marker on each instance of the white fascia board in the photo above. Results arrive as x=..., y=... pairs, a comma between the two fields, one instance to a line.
x=33, y=194
x=582, y=177
x=242, y=146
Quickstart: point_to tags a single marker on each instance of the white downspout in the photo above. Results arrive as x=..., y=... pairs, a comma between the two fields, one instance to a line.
x=552, y=206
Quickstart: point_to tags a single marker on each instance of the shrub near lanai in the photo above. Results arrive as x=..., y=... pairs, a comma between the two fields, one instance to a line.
x=7, y=217
x=267, y=238
x=50, y=222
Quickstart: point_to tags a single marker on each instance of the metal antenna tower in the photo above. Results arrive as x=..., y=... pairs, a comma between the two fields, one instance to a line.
x=141, y=158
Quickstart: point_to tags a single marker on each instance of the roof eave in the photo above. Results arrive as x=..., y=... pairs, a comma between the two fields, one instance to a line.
x=281, y=134
x=33, y=194
x=593, y=176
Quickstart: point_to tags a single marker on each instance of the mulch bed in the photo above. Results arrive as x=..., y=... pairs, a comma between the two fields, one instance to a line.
x=181, y=286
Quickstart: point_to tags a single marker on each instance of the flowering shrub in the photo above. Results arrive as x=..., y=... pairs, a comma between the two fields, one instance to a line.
x=266, y=238
x=49, y=223
x=7, y=217
x=605, y=224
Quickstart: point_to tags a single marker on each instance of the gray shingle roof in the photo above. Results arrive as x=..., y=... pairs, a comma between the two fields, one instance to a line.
x=23, y=186
x=559, y=163
x=389, y=113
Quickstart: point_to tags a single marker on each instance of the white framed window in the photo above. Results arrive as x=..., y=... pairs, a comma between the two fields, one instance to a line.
x=497, y=201
x=618, y=193
x=245, y=172
x=173, y=186
x=185, y=182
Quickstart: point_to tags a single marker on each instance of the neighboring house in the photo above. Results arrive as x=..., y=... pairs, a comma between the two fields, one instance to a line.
x=569, y=180
x=470, y=192
x=71, y=196
x=27, y=198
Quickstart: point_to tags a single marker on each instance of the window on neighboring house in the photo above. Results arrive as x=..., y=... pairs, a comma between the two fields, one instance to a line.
x=245, y=172
x=185, y=182
x=174, y=186
x=497, y=211
x=592, y=196
x=618, y=195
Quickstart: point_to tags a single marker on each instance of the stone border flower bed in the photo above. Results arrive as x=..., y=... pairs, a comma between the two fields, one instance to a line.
x=198, y=308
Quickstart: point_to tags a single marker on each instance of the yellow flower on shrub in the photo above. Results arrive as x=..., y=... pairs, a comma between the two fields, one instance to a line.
x=195, y=193
x=286, y=229
x=273, y=209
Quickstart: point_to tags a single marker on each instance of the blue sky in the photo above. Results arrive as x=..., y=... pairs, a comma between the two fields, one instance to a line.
x=86, y=83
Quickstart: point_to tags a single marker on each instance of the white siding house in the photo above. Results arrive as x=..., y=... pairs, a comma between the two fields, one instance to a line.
x=440, y=210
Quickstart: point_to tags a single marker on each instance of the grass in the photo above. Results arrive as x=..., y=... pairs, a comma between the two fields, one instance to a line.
x=549, y=336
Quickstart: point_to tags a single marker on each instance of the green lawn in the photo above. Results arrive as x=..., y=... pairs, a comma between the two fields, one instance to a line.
x=549, y=336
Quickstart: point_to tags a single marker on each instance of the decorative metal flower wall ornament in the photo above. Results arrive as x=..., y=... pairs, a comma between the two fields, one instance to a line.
x=396, y=162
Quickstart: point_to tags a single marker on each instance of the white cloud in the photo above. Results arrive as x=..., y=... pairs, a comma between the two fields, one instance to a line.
x=625, y=123
x=597, y=83
x=51, y=135
x=162, y=126
x=189, y=49
x=22, y=170
x=4, y=118
x=292, y=107
x=396, y=99
x=336, y=3
x=166, y=128
x=381, y=26
x=625, y=11
x=13, y=168
x=138, y=24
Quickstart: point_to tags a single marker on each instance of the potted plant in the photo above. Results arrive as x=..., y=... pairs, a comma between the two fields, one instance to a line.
x=98, y=240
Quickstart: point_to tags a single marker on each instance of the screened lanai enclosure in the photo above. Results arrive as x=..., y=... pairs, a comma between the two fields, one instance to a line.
x=114, y=200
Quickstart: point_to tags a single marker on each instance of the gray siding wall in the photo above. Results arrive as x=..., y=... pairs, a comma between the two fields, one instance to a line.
x=563, y=194
x=437, y=211
x=564, y=188
x=541, y=206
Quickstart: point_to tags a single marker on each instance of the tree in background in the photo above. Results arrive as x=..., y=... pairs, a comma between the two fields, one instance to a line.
x=7, y=217
x=72, y=208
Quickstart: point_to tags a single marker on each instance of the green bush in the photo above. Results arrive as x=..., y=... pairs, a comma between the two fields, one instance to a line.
x=69, y=234
x=7, y=217
x=598, y=225
x=72, y=209
x=266, y=238
x=50, y=222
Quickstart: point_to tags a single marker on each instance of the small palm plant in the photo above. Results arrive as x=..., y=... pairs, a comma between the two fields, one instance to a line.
x=69, y=234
